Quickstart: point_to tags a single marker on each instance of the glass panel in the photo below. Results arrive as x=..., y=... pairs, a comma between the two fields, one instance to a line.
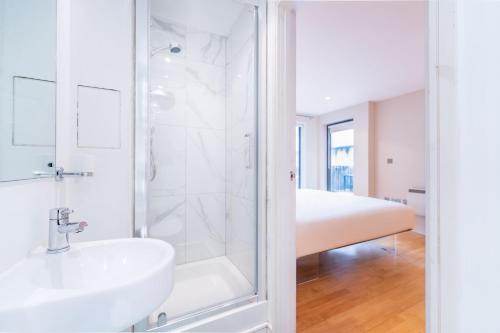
x=203, y=115
x=27, y=88
x=340, y=158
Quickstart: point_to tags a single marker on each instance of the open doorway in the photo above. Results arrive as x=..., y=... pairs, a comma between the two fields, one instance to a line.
x=361, y=163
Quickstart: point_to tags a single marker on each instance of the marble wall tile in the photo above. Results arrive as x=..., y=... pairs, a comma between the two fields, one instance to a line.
x=168, y=106
x=242, y=173
x=206, y=224
x=241, y=32
x=163, y=33
x=206, y=47
x=169, y=154
x=241, y=88
x=188, y=113
x=241, y=240
x=206, y=169
x=168, y=71
x=168, y=222
x=206, y=97
x=210, y=77
x=168, y=84
x=242, y=131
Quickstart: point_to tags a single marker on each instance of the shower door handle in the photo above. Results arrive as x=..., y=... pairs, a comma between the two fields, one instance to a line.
x=152, y=158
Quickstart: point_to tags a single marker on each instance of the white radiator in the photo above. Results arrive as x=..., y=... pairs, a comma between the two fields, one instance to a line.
x=416, y=200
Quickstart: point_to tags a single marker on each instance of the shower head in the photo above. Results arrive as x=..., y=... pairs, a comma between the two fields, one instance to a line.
x=172, y=47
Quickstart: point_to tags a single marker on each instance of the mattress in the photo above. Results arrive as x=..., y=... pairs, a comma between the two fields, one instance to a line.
x=329, y=220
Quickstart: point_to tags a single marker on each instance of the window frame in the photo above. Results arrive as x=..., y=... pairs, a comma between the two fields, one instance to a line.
x=338, y=126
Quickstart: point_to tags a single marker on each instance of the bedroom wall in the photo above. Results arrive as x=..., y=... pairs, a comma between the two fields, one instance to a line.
x=310, y=165
x=399, y=133
x=363, y=116
x=400, y=136
x=393, y=128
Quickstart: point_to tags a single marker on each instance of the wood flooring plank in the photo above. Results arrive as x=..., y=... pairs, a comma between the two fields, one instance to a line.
x=369, y=287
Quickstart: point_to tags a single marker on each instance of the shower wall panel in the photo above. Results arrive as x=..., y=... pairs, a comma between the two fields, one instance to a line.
x=241, y=146
x=188, y=125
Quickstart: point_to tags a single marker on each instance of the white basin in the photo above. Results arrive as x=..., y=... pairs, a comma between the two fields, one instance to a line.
x=95, y=286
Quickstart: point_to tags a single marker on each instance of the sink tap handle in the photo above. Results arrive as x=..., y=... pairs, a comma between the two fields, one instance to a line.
x=82, y=226
x=74, y=227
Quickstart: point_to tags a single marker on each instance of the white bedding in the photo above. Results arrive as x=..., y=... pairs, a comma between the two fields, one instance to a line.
x=328, y=220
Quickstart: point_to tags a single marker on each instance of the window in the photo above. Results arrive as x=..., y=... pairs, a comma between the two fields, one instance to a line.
x=299, y=129
x=340, y=156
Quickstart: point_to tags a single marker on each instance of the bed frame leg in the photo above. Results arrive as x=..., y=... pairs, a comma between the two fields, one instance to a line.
x=392, y=249
x=308, y=268
x=395, y=245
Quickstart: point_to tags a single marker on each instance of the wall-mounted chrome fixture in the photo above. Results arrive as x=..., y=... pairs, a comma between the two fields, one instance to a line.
x=173, y=47
x=60, y=174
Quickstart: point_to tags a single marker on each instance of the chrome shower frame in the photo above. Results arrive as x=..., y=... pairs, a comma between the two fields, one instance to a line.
x=143, y=161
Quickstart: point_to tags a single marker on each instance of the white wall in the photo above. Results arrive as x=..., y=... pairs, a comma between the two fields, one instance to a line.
x=310, y=163
x=363, y=170
x=468, y=164
x=400, y=135
x=24, y=212
x=99, y=36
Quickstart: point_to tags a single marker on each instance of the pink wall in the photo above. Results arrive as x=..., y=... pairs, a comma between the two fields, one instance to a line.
x=394, y=128
x=400, y=135
x=362, y=115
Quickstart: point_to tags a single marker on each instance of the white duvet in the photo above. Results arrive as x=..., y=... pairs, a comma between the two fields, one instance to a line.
x=328, y=220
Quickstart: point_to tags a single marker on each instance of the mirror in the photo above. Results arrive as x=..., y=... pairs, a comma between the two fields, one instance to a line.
x=27, y=88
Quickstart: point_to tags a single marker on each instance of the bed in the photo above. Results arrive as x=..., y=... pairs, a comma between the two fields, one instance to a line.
x=329, y=220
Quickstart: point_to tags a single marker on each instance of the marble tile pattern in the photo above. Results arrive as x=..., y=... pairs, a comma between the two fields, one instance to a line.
x=204, y=134
x=241, y=148
x=188, y=120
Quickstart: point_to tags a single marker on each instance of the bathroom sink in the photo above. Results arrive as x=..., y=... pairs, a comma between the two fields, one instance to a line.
x=95, y=286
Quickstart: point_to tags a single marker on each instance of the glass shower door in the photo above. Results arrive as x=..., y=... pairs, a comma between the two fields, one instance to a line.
x=202, y=180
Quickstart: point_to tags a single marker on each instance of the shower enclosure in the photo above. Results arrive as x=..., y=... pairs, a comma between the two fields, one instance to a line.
x=198, y=162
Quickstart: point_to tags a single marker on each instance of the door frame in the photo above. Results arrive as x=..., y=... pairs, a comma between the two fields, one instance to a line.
x=440, y=15
x=432, y=222
x=247, y=313
x=281, y=162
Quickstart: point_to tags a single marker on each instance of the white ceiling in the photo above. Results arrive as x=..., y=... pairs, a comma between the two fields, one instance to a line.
x=357, y=51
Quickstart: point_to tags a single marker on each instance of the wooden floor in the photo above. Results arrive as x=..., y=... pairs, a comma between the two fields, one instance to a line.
x=367, y=287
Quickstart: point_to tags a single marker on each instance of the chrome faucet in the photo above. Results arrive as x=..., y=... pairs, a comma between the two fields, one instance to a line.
x=60, y=228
